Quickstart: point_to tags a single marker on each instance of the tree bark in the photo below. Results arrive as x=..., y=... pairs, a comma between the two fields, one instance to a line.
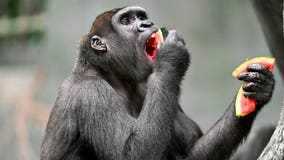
x=269, y=13
x=274, y=150
x=271, y=16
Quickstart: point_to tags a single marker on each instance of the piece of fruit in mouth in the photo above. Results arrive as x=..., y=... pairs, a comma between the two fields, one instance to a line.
x=154, y=41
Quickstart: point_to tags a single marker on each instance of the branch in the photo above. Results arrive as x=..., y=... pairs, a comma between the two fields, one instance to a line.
x=275, y=147
x=269, y=13
x=271, y=16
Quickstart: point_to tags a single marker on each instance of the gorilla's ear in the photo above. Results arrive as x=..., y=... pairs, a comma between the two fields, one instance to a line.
x=98, y=44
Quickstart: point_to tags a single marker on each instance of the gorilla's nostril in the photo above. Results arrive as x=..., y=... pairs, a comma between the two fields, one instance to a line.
x=147, y=24
x=144, y=25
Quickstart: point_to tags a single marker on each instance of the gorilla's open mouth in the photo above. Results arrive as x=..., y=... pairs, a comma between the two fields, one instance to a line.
x=151, y=46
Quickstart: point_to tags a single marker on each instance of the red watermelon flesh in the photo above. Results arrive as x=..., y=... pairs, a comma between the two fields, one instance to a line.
x=265, y=61
x=153, y=43
x=244, y=105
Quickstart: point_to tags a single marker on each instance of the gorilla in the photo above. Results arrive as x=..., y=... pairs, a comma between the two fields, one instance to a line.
x=119, y=104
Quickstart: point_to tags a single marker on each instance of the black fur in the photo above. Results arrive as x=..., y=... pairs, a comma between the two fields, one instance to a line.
x=119, y=105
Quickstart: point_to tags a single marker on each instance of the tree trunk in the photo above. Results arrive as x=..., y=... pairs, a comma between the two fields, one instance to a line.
x=269, y=13
x=275, y=147
x=271, y=16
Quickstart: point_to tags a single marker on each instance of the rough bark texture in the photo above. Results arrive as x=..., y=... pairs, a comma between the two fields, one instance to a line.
x=271, y=16
x=269, y=13
x=275, y=148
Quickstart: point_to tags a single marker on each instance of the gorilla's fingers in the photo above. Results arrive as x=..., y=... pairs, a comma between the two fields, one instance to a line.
x=257, y=87
x=252, y=77
x=259, y=68
x=259, y=97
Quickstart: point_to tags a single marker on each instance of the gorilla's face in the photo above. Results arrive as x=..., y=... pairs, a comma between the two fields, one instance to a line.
x=119, y=40
x=128, y=44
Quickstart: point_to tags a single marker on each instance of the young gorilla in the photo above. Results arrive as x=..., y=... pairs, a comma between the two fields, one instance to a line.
x=117, y=104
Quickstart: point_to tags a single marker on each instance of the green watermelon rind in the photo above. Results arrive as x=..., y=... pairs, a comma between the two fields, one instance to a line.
x=165, y=32
x=261, y=60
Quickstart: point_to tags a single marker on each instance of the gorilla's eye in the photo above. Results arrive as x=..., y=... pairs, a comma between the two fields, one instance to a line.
x=142, y=16
x=125, y=20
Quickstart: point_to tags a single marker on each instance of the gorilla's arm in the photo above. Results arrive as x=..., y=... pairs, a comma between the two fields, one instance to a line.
x=103, y=128
x=152, y=133
x=223, y=138
x=100, y=113
x=62, y=127
x=90, y=118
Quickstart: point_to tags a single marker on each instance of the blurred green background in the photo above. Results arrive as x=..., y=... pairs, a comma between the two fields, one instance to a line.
x=38, y=46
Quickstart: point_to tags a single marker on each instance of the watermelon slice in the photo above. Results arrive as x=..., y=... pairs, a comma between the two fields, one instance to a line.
x=154, y=42
x=265, y=61
x=244, y=105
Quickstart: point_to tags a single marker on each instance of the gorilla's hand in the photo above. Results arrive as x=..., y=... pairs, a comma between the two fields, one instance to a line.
x=259, y=83
x=173, y=56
